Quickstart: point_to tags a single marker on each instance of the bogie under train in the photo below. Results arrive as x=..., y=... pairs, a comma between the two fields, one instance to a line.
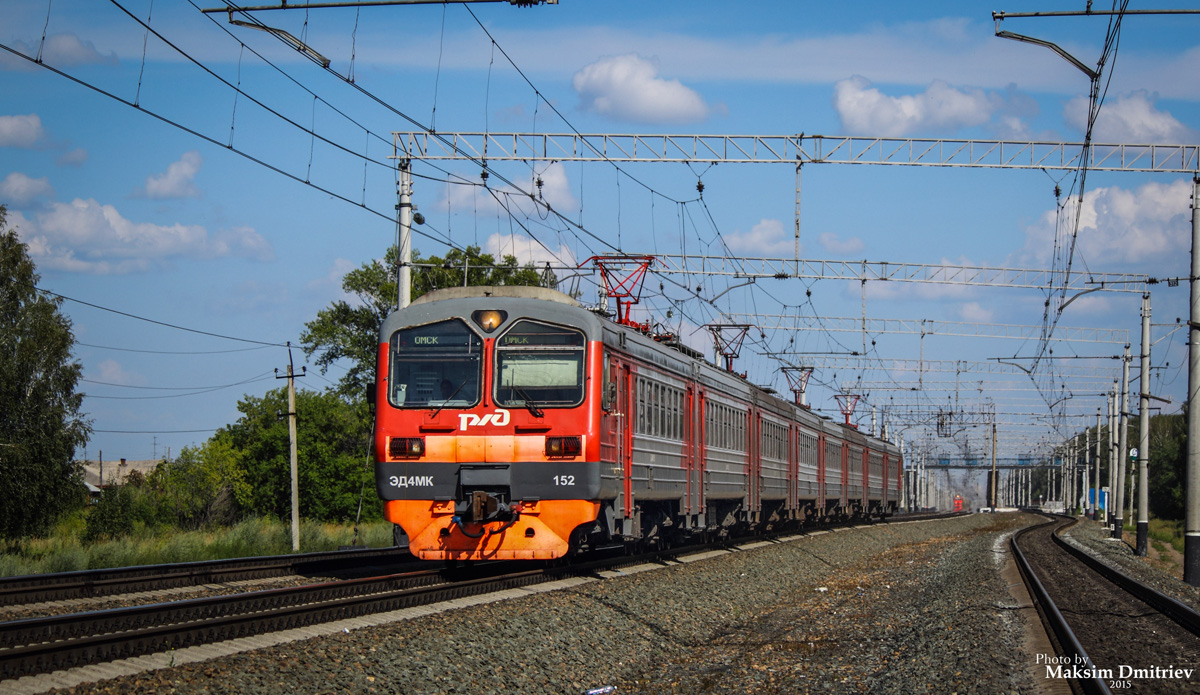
x=512, y=423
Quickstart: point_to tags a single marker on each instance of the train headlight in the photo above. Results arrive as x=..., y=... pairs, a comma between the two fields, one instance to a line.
x=489, y=319
x=406, y=447
x=559, y=447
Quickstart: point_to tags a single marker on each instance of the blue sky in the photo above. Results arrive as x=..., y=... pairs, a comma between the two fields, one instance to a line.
x=244, y=226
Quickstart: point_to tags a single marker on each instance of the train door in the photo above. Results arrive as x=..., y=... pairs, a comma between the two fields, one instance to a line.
x=844, y=498
x=793, y=469
x=699, y=475
x=888, y=495
x=867, y=478
x=620, y=442
x=754, y=463
x=821, y=470
x=689, y=451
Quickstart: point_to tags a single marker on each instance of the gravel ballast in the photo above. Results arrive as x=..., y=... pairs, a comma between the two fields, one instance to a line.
x=893, y=608
x=1093, y=537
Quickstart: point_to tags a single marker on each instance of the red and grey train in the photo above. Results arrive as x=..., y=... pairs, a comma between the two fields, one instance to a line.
x=513, y=423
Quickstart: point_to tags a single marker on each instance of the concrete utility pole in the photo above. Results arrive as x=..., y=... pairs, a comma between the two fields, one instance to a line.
x=1113, y=409
x=1089, y=512
x=1191, y=522
x=292, y=454
x=1122, y=447
x=1096, y=495
x=404, y=236
x=1143, y=457
x=995, y=480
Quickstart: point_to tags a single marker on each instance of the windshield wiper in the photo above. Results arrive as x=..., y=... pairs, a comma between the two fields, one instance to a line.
x=449, y=398
x=533, y=409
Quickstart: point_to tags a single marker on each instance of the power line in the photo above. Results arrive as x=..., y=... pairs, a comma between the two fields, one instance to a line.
x=174, y=388
x=159, y=323
x=171, y=352
x=211, y=429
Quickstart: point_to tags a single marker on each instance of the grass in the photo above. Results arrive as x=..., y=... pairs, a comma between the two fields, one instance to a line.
x=1170, y=532
x=62, y=551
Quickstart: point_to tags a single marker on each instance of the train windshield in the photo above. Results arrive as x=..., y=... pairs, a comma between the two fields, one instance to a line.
x=436, y=366
x=539, y=365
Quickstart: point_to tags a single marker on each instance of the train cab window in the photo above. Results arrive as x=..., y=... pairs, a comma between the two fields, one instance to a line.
x=539, y=365
x=438, y=365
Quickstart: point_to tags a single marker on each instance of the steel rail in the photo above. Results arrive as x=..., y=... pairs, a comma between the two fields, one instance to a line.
x=1185, y=616
x=40, y=645
x=1067, y=643
x=110, y=581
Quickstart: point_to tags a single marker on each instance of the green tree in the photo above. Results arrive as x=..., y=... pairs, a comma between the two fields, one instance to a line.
x=349, y=330
x=40, y=420
x=205, y=485
x=333, y=439
x=1167, y=470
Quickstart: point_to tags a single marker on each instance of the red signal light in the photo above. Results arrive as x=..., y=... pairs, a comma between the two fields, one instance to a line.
x=406, y=447
x=558, y=447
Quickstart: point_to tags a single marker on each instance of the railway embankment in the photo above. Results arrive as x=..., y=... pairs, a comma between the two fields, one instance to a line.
x=890, y=608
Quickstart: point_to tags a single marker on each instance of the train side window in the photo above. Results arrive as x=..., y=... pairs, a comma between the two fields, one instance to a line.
x=608, y=392
x=659, y=411
x=435, y=365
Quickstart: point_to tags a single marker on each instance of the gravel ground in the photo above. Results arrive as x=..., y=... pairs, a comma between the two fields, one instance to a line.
x=1094, y=538
x=899, y=608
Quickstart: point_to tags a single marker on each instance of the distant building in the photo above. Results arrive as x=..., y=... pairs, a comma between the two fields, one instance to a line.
x=116, y=471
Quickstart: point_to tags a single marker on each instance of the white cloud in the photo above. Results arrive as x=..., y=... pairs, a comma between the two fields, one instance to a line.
x=111, y=371
x=628, y=88
x=767, y=238
x=21, y=131
x=85, y=236
x=901, y=290
x=974, y=312
x=1119, y=226
x=914, y=53
x=69, y=49
x=59, y=50
x=556, y=191
x=527, y=250
x=178, y=181
x=834, y=244
x=864, y=109
x=1129, y=118
x=19, y=190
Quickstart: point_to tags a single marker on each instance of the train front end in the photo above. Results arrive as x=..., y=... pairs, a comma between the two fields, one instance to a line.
x=486, y=435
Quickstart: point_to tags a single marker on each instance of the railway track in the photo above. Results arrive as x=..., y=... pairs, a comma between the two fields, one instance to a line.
x=1112, y=633
x=108, y=582
x=40, y=645
x=43, y=644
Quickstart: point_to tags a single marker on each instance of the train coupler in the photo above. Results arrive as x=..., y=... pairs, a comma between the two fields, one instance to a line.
x=483, y=508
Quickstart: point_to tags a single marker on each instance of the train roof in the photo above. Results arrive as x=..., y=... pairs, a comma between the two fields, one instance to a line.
x=481, y=291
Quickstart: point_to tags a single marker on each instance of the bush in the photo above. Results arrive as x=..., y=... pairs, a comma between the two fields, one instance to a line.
x=112, y=516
